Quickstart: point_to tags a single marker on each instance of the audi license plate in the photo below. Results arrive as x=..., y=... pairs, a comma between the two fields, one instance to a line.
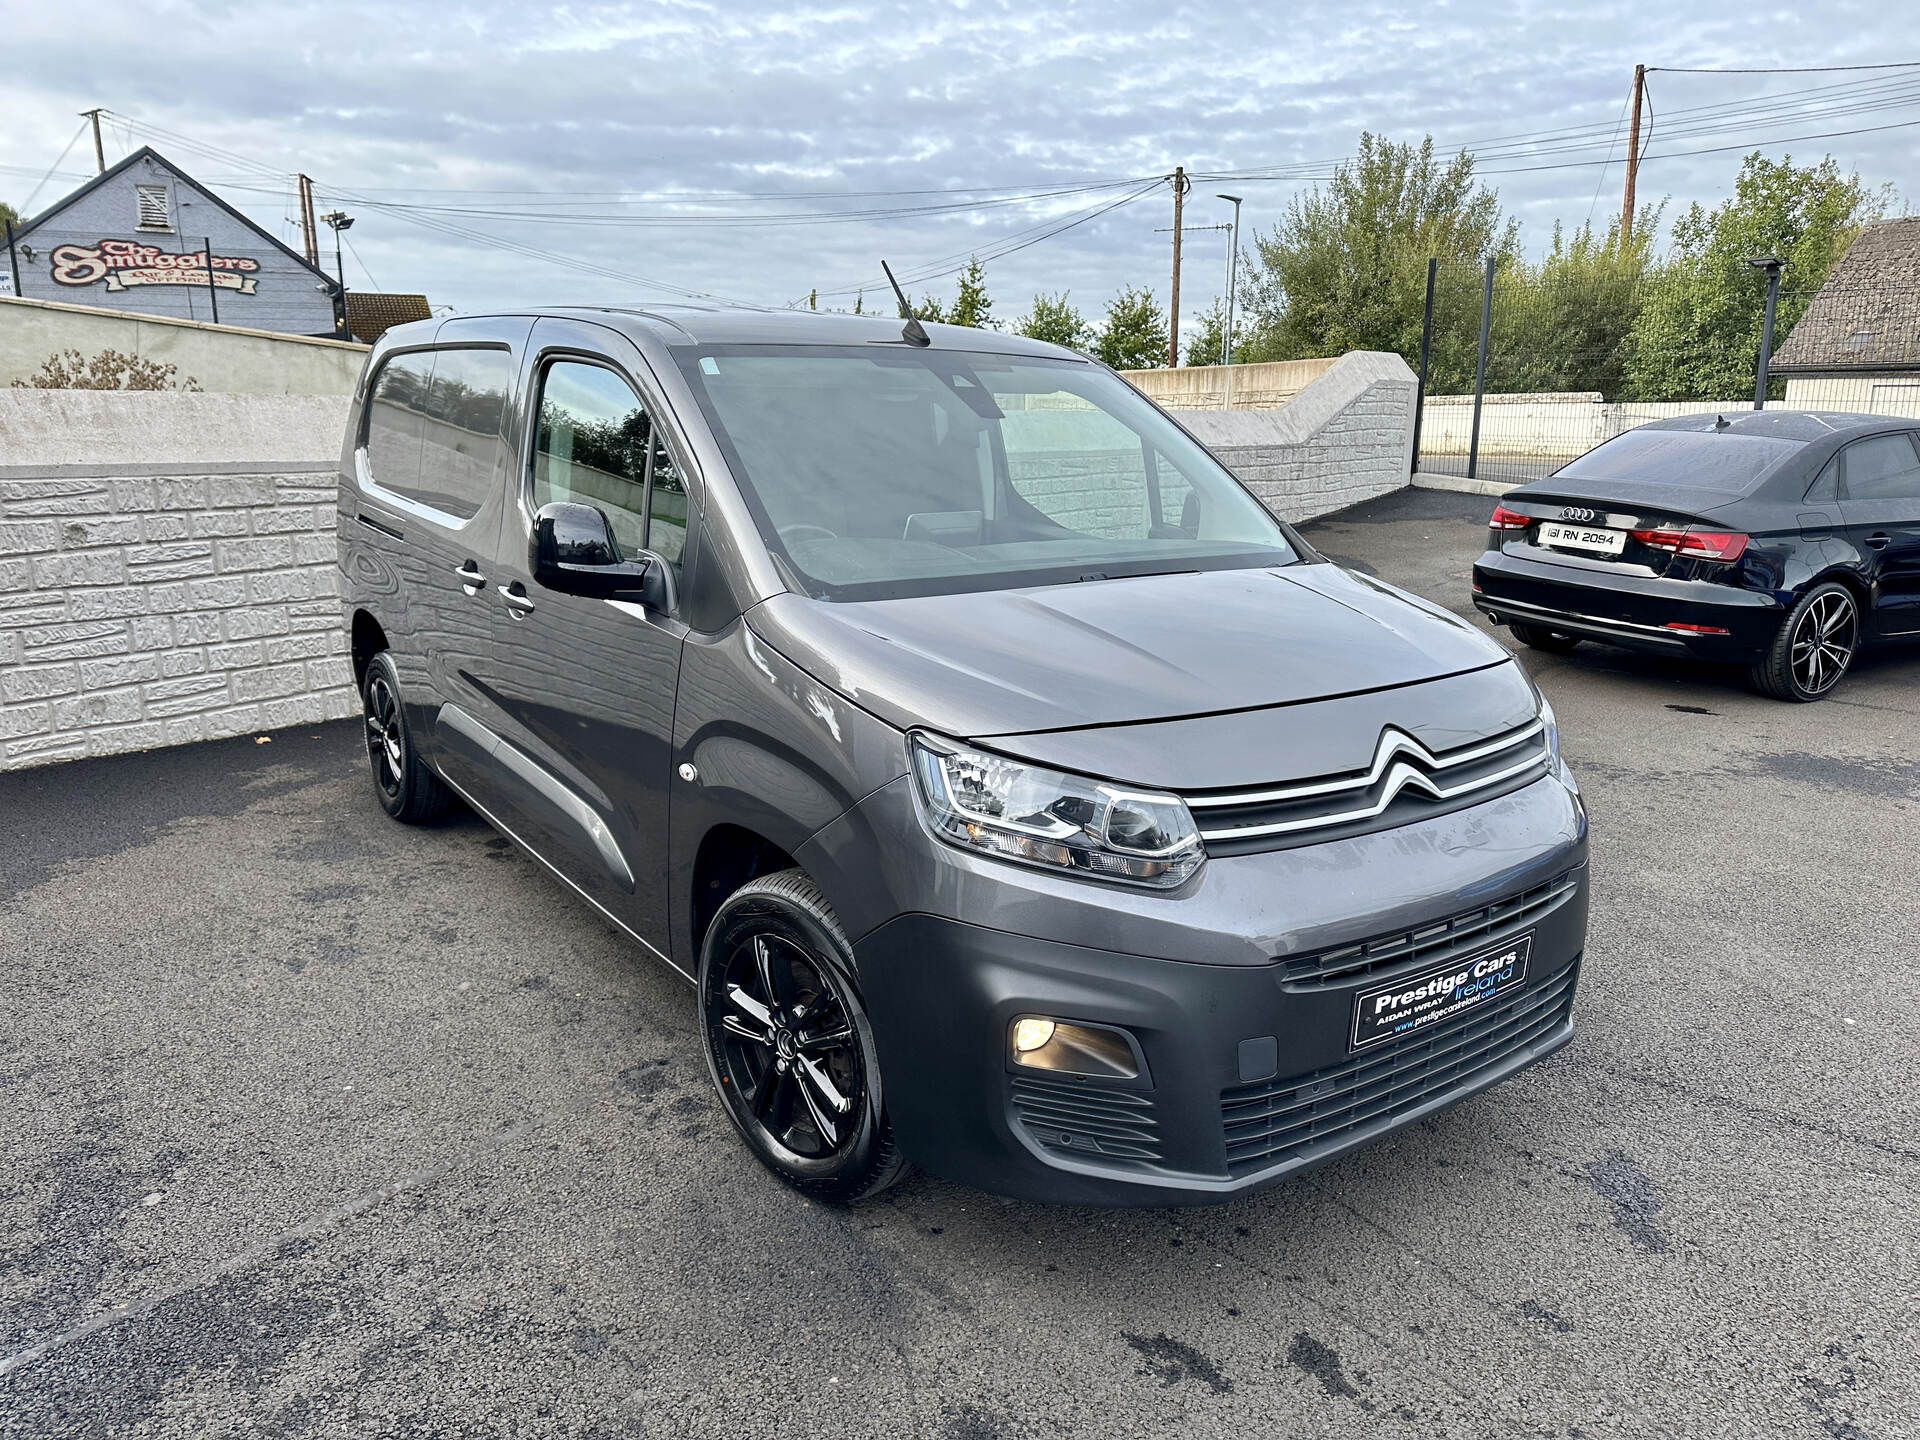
x=1387, y=1012
x=1593, y=540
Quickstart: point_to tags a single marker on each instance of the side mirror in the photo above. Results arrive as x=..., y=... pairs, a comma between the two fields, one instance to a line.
x=574, y=552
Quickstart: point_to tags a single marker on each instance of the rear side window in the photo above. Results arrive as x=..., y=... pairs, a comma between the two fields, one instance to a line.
x=1883, y=468
x=396, y=410
x=460, y=440
x=433, y=427
x=1826, y=487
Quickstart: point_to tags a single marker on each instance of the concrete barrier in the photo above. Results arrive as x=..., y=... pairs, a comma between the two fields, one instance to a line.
x=1266, y=386
x=1346, y=437
x=225, y=359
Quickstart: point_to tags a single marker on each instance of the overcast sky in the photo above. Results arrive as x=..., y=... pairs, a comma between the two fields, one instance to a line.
x=609, y=113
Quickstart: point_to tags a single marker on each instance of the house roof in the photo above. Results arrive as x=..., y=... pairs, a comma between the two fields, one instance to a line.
x=146, y=152
x=370, y=313
x=1867, y=316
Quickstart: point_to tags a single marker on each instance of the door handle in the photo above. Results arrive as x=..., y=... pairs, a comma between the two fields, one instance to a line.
x=516, y=597
x=1878, y=540
x=470, y=578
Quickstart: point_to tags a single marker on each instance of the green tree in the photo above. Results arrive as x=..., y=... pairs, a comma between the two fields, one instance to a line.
x=1134, y=336
x=1567, y=322
x=1054, y=320
x=7, y=212
x=971, y=306
x=1346, y=266
x=1205, y=346
x=929, y=309
x=1697, y=336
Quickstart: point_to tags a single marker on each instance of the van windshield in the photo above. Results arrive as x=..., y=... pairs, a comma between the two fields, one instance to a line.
x=876, y=473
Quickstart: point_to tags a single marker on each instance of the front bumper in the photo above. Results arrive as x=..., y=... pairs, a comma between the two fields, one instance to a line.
x=1635, y=611
x=943, y=994
x=1250, y=1074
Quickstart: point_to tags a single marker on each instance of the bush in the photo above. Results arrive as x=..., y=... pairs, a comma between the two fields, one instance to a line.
x=109, y=370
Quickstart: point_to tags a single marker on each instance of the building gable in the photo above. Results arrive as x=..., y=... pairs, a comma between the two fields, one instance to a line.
x=146, y=237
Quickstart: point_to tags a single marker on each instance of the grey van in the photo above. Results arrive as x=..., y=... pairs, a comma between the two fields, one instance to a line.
x=1020, y=798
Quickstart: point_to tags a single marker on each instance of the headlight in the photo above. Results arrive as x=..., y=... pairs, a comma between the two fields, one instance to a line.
x=1044, y=817
x=1553, y=729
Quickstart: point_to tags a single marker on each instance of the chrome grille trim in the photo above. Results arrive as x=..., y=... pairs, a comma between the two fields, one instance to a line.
x=1390, y=773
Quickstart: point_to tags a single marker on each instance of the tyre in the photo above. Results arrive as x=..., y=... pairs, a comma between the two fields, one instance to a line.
x=1816, y=644
x=1554, y=642
x=788, y=1042
x=406, y=788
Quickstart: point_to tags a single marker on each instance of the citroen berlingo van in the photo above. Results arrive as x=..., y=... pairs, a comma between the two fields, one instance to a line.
x=1019, y=797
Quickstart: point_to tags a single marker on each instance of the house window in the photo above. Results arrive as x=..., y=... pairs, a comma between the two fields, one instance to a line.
x=154, y=214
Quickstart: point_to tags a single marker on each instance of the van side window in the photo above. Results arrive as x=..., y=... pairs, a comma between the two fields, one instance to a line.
x=395, y=413
x=460, y=449
x=597, y=445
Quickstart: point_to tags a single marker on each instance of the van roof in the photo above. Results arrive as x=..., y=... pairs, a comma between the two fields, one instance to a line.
x=744, y=325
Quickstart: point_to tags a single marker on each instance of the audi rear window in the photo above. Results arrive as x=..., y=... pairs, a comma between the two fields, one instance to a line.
x=1718, y=462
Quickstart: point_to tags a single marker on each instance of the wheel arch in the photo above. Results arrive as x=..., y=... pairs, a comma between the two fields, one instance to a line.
x=367, y=639
x=729, y=855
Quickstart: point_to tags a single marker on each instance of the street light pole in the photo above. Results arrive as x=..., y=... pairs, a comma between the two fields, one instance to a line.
x=1226, y=323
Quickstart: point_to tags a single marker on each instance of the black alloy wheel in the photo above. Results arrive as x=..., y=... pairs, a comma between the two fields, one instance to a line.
x=405, y=787
x=1814, y=648
x=1554, y=642
x=788, y=1042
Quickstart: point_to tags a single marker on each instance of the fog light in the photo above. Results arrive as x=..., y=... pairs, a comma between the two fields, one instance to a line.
x=1030, y=1032
x=1070, y=1049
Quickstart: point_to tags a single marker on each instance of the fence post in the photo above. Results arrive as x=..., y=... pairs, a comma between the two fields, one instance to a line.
x=1766, y=334
x=13, y=259
x=1480, y=370
x=1426, y=352
x=213, y=291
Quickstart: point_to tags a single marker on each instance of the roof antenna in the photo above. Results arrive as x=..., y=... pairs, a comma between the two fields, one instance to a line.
x=1719, y=422
x=913, y=332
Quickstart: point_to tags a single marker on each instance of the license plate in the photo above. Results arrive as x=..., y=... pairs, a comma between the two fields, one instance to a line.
x=1387, y=1012
x=1583, y=537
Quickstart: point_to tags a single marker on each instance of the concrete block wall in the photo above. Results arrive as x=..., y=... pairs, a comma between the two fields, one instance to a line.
x=154, y=602
x=1346, y=437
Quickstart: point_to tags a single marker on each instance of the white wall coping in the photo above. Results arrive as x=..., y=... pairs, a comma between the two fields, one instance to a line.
x=180, y=324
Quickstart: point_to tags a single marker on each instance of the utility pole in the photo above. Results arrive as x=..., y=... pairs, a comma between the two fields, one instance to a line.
x=99, y=151
x=1633, y=155
x=1173, y=306
x=308, y=234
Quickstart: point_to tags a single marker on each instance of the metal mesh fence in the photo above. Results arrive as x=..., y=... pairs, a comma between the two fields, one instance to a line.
x=1572, y=359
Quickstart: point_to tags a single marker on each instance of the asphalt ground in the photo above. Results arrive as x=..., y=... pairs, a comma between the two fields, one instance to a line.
x=312, y=1124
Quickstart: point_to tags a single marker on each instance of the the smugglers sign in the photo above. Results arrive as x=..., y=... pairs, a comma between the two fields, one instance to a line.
x=124, y=264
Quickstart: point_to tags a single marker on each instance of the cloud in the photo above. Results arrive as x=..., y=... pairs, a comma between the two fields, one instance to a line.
x=813, y=107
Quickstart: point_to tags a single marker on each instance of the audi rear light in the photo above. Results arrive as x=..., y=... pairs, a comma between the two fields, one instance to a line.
x=1725, y=546
x=1693, y=629
x=1505, y=519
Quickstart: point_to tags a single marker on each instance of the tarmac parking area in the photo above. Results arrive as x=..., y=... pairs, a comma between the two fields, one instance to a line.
x=311, y=1124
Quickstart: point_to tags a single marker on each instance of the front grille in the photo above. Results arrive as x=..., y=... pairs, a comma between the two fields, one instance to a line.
x=1436, y=942
x=1405, y=782
x=1279, y=1120
x=1088, y=1119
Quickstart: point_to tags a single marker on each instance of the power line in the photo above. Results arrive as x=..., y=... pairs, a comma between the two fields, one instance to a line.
x=26, y=208
x=1784, y=69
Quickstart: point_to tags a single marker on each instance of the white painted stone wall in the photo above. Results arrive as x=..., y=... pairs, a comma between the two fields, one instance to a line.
x=155, y=601
x=1346, y=437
